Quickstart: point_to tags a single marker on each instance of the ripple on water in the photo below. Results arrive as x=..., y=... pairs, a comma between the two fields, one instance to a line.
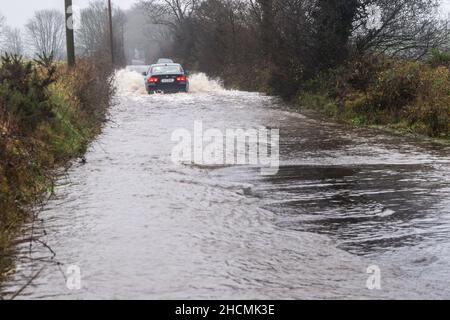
x=140, y=226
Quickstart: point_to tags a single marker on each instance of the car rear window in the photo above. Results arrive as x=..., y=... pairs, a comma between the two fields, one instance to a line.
x=166, y=69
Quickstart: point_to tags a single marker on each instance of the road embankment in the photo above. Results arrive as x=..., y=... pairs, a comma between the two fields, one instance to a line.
x=48, y=115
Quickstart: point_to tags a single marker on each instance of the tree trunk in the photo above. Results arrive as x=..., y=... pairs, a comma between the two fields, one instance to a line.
x=267, y=28
x=333, y=28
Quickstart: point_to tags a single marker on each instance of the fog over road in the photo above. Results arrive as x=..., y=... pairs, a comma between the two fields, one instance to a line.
x=140, y=226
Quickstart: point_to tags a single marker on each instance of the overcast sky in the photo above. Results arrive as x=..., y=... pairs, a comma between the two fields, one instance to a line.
x=18, y=12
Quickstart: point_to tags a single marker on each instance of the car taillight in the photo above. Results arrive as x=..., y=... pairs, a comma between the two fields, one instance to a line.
x=181, y=79
x=152, y=80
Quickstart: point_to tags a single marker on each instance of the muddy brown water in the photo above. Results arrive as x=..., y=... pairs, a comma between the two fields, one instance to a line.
x=139, y=226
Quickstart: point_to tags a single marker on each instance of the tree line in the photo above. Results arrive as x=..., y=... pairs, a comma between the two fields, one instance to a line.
x=44, y=34
x=276, y=45
x=287, y=42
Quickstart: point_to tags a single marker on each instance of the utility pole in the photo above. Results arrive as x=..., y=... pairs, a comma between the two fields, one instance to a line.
x=69, y=33
x=111, y=35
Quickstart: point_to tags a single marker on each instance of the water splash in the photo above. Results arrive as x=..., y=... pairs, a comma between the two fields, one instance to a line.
x=130, y=83
x=200, y=82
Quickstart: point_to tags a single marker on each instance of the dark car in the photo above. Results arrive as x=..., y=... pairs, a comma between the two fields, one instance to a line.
x=166, y=78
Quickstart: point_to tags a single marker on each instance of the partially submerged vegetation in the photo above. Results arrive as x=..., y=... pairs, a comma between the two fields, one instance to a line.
x=48, y=115
x=404, y=95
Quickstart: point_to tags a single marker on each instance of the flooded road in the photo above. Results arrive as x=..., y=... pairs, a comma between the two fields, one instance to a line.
x=138, y=226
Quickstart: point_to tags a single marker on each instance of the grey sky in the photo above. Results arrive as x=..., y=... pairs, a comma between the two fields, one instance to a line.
x=17, y=12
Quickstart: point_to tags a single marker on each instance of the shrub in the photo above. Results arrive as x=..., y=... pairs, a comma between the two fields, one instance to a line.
x=374, y=90
x=395, y=88
x=318, y=102
x=90, y=86
x=431, y=108
x=411, y=92
x=439, y=58
x=360, y=73
x=24, y=90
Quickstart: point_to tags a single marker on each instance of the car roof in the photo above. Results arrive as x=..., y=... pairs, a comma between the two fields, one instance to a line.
x=166, y=65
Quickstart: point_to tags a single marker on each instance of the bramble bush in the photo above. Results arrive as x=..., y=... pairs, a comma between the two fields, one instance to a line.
x=410, y=93
x=403, y=94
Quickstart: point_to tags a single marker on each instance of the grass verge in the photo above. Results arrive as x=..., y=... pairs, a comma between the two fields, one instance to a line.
x=48, y=115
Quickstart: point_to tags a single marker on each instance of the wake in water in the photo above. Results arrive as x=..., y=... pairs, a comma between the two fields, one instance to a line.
x=200, y=82
x=132, y=83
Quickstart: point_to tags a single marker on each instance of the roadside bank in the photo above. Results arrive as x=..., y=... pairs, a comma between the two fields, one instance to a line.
x=49, y=113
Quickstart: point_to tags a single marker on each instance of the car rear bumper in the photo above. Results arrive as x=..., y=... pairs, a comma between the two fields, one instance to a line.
x=167, y=88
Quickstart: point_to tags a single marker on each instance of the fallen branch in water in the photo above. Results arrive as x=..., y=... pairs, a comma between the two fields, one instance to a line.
x=31, y=240
x=18, y=292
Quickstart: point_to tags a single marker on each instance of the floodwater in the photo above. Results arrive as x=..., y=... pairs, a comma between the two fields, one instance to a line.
x=138, y=226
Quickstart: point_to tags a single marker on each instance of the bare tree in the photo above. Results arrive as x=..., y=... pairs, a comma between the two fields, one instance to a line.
x=93, y=33
x=46, y=33
x=267, y=27
x=2, y=21
x=2, y=25
x=170, y=13
x=175, y=21
x=406, y=27
x=12, y=41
